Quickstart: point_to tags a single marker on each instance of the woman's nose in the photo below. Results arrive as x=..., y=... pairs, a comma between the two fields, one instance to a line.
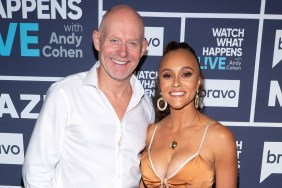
x=176, y=83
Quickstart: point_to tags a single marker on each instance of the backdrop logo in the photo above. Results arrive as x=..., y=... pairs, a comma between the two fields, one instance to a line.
x=11, y=148
x=221, y=93
x=239, y=145
x=277, y=55
x=25, y=39
x=227, y=53
x=66, y=44
x=274, y=93
x=8, y=108
x=148, y=81
x=49, y=9
x=271, y=159
x=155, y=38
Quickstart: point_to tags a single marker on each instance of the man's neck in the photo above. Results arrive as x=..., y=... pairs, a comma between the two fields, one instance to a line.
x=118, y=92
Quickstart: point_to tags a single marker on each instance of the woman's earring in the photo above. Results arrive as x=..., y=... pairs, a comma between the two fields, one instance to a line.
x=161, y=100
x=197, y=99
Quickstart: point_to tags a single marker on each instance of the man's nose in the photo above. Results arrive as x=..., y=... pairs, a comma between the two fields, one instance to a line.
x=123, y=50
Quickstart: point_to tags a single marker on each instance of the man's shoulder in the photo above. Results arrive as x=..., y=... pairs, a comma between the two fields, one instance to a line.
x=148, y=98
x=71, y=79
x=69, y=82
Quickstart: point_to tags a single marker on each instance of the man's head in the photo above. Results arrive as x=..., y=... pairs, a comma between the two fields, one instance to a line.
x=120, y=42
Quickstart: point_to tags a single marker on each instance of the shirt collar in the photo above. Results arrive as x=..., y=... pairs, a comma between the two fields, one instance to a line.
x=92, y=79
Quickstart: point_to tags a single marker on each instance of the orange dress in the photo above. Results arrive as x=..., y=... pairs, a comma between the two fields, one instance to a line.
x=194, y=172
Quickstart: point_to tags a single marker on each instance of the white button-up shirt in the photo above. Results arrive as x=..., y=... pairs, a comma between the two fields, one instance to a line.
x=79, y=141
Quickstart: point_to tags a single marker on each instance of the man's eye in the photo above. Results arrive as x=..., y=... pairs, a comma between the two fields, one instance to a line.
x=132, y=44
x=114, y=41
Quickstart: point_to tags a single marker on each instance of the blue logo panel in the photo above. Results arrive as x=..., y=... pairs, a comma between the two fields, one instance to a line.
x=226, y=49
x=269, y=87
x=48, y=43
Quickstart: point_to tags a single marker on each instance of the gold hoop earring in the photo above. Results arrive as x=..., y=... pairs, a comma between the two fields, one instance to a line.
x=161, y=100
x=197, y=99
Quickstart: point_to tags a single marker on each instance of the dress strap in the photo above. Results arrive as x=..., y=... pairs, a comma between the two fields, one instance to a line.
x=149, y=155
x=153, y=136
x=204, y=136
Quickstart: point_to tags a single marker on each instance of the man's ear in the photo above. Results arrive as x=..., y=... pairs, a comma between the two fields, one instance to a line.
x=144, y=47
x=96, y=40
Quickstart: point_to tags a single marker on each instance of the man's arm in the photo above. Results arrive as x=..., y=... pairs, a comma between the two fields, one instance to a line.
x=45, y=145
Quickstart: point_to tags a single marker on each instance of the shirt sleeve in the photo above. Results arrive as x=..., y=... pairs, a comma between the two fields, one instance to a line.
x=45, y=145
x=151, y=110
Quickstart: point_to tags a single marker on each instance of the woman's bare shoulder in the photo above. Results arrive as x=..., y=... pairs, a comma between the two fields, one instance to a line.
x=150, y=131
x=220, y=136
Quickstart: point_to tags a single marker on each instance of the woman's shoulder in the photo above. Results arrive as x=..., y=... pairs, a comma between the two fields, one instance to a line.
x=154, y=127
x=151, y=128
x=150, y=131
x=220, y=136
x=220, y=130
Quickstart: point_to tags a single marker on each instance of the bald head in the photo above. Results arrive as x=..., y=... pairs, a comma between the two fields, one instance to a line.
x=120, y=43
x=123, y=13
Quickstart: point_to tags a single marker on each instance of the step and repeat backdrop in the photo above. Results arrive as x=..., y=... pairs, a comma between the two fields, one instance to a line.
x=239, y=45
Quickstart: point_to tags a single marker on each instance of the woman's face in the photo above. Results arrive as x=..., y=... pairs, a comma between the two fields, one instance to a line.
x=179, y=78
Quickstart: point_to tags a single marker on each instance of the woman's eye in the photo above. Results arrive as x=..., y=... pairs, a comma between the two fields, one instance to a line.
x=166, y=76
x=187, y=74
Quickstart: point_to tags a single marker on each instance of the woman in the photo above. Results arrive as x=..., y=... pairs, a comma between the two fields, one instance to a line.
x=186, y=148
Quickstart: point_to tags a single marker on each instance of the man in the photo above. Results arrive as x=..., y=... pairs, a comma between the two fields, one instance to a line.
x=92, y=126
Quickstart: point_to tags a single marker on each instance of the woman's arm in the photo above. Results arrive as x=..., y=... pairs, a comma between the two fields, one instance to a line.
x=225, y=152
x=141, y=184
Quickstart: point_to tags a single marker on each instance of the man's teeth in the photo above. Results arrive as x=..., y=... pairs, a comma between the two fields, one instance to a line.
x=119, y=62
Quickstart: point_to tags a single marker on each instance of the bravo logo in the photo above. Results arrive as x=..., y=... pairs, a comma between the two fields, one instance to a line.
x=271, y=159
x=11, y=148
x=277, y=55
x=155, y=38
x=221, y=93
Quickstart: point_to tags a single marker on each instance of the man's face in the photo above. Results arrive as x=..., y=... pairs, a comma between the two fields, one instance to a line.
x=121, y=45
